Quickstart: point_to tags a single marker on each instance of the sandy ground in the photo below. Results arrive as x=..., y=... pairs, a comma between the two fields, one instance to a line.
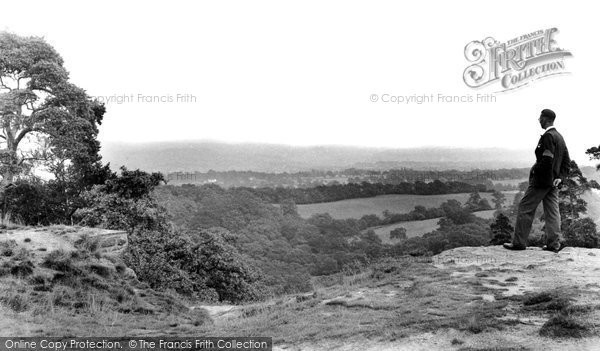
x=499, y=272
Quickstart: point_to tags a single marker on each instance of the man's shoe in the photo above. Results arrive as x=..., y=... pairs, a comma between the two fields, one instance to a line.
x=555, y=250
x=510, y=246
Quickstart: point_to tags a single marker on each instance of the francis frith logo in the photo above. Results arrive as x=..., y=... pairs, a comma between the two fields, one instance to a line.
x=516, y=62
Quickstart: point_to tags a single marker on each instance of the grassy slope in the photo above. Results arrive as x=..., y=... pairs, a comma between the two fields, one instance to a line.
x=53, y=284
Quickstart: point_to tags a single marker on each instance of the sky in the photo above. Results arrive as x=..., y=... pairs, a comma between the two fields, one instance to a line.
x=306, y=72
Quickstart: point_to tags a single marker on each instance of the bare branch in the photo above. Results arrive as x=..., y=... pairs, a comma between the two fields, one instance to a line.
x=4, y=85
x=22, y=134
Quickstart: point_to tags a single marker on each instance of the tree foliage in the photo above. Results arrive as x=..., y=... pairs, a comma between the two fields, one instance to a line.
x=594, y=154
x=572, y=206
x=398, y=233
x=582, y=232
x=45, y=122
x=124, y=202
x=498, y=199
x=501, y=230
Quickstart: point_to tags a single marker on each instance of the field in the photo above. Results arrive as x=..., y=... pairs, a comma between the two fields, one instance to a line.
x=417, y=228
x=514, y=182
x=356, y=208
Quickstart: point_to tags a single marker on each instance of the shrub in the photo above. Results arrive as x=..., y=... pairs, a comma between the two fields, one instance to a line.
x=7, y=248
x=60, y=260
x=87, y=243
x=563, y=325
x=22, y=269
x=398, y=234
x=30, y=203
x=201, y=263
x=99, y=269
x=15, y=301
x=124, y=202
x=581, y=232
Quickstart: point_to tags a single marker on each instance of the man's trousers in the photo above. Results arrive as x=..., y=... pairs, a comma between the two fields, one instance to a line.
x=529, y=203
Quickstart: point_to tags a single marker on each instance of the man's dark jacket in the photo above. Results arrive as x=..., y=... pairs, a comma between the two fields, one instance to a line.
x=552, y=160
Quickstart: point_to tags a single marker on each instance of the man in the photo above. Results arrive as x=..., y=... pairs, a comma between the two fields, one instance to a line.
x=551, y=166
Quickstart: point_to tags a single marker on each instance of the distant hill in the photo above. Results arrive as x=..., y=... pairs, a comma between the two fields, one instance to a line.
x=203, y=156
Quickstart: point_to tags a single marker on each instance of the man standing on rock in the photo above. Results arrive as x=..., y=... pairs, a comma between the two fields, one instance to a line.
x=551, y=166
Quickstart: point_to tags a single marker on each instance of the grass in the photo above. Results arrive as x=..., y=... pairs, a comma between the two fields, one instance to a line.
x=413, y=228
x=423, y=301
x=566, y=320
x=356, y=208
x=88, y=243
x=426, y=300
x=14, y=300
x=7, y=248
x=456, y=341
x=564, y=325
x=494, y=348
x=547, y=301
x=84, y=293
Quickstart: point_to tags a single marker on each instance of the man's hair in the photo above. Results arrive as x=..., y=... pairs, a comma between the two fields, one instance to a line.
x=549, y=114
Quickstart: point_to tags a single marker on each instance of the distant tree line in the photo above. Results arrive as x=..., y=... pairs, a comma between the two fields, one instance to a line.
x=309, y=179
x=329, y=193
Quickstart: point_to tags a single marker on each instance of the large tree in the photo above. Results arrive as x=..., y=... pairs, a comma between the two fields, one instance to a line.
x=45, y=121
x=498, y=199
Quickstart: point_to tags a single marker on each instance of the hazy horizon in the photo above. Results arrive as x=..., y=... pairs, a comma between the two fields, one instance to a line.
x=211, y=155
x=202, y=155
x=232, y=71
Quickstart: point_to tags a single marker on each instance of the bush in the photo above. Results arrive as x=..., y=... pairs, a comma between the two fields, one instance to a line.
x=563, y=325
x=7, y=248
x=15, y=301
x=124, y=202
x=202, y=263
x=324, y=265
x=99, y=269
x=398, y=234
x=30, y=203
x=581, y=233
x=87, y=243
x=60, y=260
x=22, y=269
